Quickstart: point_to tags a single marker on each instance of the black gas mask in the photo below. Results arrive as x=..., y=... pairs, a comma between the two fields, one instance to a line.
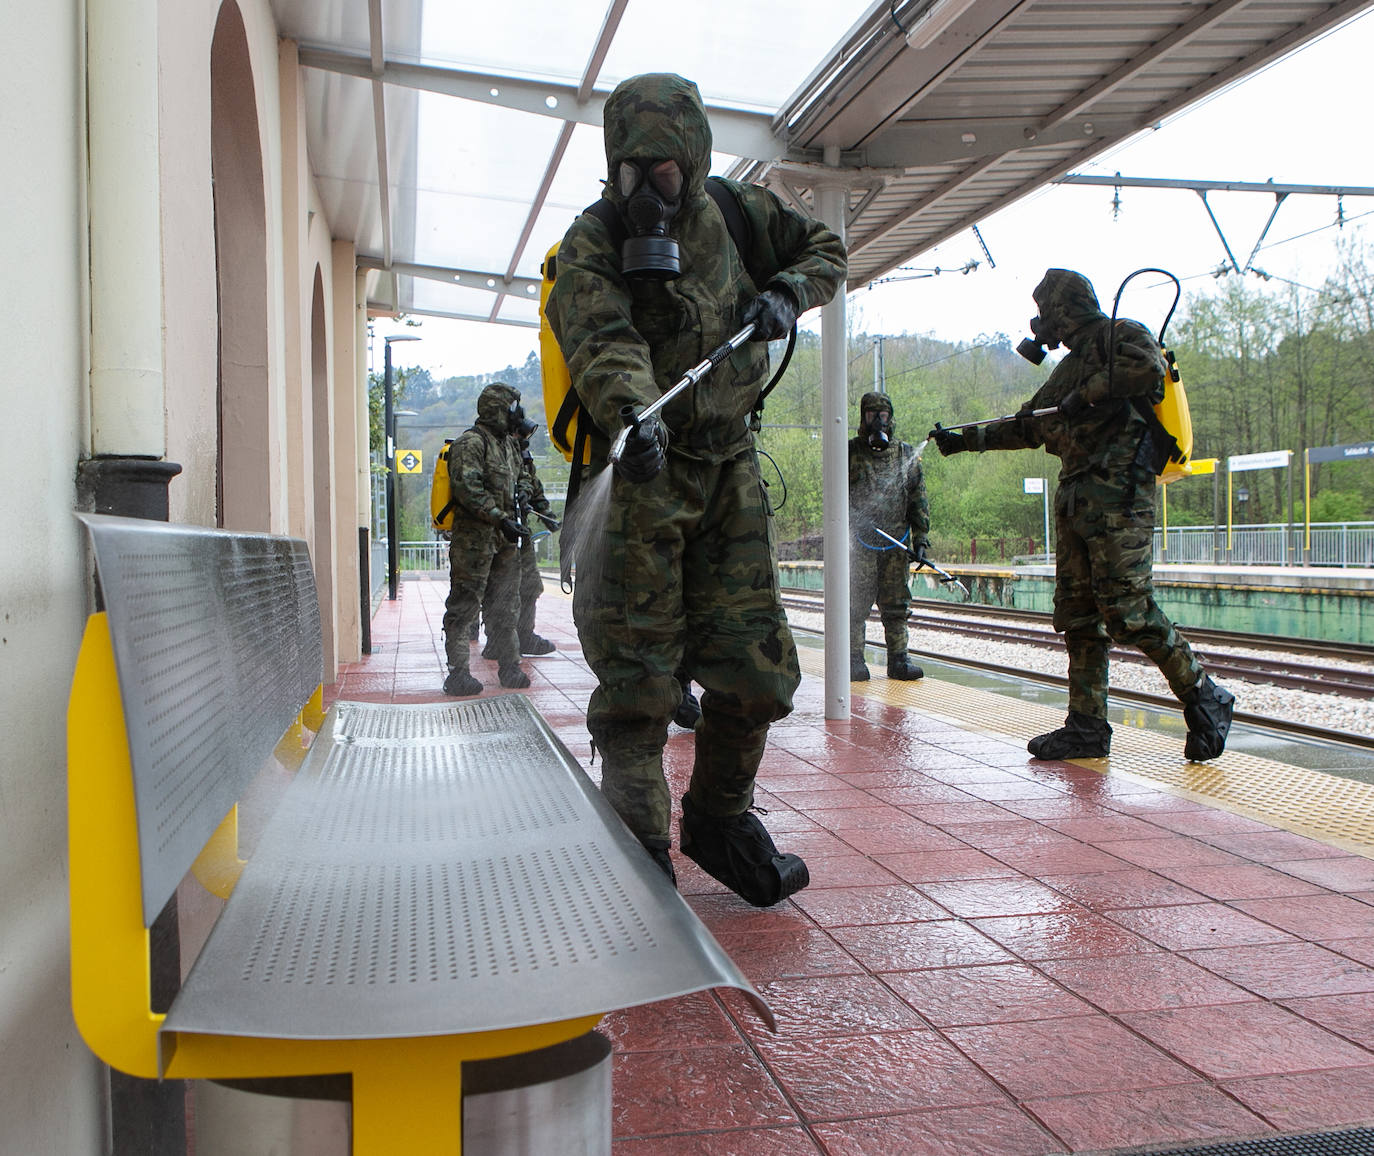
x=523, y=427
x=877, y=428
x=652, y=194
x=1033, y=349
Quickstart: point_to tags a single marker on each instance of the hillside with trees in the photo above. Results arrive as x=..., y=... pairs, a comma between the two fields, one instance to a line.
x=1266, y=367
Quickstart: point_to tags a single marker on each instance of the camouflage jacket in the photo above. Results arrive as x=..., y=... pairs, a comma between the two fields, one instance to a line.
x=1106, y=439
x=887, y=490
x=484, y=461
x=627, y=341
x=1107, y=369
x=529, y=490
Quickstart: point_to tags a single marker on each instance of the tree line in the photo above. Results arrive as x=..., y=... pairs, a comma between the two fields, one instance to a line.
x=1266, y=367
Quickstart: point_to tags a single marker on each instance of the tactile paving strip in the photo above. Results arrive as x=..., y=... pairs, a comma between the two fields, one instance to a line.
x=1307, y=802
x=1353, y=1142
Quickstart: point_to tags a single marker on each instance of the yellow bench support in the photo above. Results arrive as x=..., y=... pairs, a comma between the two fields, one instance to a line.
x=407, y=1093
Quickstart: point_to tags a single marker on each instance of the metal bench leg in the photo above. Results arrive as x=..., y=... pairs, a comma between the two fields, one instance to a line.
x=407, y=1100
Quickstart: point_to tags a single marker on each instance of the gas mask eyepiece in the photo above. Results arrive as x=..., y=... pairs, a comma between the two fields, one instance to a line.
x=524, y=427
x=652, y=192
x=1033, y=349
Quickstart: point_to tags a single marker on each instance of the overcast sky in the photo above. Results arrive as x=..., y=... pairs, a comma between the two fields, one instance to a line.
x=1305, y=120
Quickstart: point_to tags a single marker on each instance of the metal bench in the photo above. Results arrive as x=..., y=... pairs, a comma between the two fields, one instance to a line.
x=437, y=883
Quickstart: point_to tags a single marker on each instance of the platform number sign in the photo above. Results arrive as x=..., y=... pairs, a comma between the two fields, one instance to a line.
x=410, y=461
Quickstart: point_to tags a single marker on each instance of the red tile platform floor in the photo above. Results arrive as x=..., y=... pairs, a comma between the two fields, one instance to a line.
x=994, y=958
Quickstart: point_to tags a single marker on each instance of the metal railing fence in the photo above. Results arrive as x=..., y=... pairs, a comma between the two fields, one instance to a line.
x=1341, y=544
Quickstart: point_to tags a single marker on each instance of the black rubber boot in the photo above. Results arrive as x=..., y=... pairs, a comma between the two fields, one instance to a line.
x=1207, y=709
x=858, y=671
x=1081, y=737
x=740, y=853
x=658, y=852
x=512, y=677
x=461, y=684
x=900, y=666
x=688, y=710
x=535, y=644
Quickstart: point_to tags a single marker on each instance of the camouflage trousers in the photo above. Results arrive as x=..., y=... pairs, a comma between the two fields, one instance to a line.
x=484, y=575
x=1104, y=588
x=531, y=586
x=683, y=574
x=881, y=576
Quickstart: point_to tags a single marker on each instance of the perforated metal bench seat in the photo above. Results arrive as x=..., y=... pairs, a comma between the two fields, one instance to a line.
x=437, y=870
x=436, y=884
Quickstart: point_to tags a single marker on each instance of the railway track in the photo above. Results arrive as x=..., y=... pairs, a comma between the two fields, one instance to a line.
x=1222, y=652
x=1285, y=726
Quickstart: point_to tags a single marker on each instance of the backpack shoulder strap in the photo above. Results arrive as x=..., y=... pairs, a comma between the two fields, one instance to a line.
x=608, y=215
x=736, y=223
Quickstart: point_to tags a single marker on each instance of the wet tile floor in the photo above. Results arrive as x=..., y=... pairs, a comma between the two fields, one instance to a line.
x=995, y=957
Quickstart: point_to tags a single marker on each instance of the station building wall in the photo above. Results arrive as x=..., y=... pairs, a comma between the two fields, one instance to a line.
x=261, y=383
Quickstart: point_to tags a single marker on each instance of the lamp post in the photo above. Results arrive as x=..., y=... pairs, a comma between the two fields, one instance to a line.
x=393, y=544
x=1242, y=496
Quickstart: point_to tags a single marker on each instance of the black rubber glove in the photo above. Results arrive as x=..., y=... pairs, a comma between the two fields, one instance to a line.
x=948, y=441
x=918, y=555
x=549, y=520
x=512, y=530
x=773, y=313
x=1072, y=405
x=645, y=452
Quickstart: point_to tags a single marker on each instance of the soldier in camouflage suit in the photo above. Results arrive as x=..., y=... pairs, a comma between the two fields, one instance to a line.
x=886, y=491
x=685, y=576
x=529, y=499
x=484, y=554
x=1104, y=510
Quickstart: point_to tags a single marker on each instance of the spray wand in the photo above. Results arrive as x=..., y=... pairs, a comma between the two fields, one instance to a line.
x=994, y=420
x=944, y=575
x=689, y=379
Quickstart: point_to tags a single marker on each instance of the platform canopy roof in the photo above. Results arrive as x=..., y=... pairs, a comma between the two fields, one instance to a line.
x=453, y=142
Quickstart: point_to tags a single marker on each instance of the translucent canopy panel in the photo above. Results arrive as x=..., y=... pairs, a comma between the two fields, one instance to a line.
x=748, y=55
x=545, y=38
x=935, y=113
x=752, y=55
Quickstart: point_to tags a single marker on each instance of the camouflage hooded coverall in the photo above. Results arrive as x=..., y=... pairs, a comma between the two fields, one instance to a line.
x=886, y=490
x=529, y=496
x=1104, y=506
x=684, y=572
x=484, y=569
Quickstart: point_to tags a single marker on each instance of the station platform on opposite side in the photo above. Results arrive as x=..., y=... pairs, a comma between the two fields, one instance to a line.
x=995, y=955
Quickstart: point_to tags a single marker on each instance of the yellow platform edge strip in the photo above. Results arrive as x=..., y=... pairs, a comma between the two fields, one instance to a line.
x=1320, y=806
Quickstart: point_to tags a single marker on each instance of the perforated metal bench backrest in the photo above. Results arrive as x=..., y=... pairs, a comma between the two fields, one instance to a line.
x=217, y=641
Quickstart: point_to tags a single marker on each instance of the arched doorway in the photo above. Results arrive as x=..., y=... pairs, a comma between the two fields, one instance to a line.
x=243, y=477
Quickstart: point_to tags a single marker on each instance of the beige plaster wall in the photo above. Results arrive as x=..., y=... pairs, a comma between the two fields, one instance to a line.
x=52, y=1090
x=50, y=1086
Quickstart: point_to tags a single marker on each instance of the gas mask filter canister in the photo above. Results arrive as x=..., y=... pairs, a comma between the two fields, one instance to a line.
x=523, y=426
x=1033, y=349
x=652, y=193
x=876, y=426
